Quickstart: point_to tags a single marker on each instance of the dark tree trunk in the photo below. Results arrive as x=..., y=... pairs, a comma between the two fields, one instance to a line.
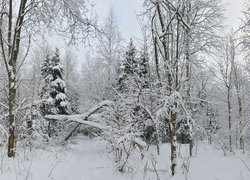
x=11, y=104
x=229, y=118
x=173, y=142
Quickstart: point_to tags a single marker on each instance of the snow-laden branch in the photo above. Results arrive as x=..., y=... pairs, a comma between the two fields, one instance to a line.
x=83, y=118
x=80, y=118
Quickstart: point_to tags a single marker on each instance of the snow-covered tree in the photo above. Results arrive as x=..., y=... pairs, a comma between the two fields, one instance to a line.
x=144, y=68
x=180, y=29
x=128, y=68
x=109, y=48
x=54, y=88
x=53, y=91
x=26, y=18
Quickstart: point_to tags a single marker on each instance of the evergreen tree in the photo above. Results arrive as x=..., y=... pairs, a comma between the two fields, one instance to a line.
x=144, y=68
x=46, y=72
x=54, y=88
x=53, y=91
x=128, y=68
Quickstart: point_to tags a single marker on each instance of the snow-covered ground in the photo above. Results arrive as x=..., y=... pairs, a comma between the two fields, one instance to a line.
x=89, y=160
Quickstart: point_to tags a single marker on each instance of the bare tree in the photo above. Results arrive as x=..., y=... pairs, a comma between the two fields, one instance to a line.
x=240, y=85
x=180, y=31
x=109, y=47
x=225, y=65
x=17, y=29
x=70, y=62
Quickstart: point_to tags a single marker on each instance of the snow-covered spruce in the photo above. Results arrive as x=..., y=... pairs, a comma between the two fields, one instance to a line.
x=53, y=94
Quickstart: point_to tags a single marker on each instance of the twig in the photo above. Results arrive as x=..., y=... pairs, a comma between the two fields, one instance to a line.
x=53, y=168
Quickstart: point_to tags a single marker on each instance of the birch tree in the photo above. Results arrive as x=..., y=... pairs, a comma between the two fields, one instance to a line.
x=180, y=31
x=19, y=22
x=167, y=25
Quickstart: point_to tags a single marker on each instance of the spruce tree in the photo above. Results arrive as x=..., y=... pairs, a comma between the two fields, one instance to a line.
x=53, y=94
x=144, y=69
x=46, y=72
x=54, y=88
x=128, y=68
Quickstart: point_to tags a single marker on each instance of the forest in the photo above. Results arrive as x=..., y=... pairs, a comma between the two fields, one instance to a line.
x=78, y=101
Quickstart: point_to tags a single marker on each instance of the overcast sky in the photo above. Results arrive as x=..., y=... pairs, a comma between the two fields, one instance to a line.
x=125, y=11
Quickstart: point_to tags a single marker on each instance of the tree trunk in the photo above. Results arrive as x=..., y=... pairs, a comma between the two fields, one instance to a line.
x=229, y=118
x=10, y=60
x=12, y=139
x=241, y=124
x=173, y=142
x=188, y=70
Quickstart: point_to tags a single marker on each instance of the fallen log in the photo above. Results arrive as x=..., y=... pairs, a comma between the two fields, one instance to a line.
x=82, y=118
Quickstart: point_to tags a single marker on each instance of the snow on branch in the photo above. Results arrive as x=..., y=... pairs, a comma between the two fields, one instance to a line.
x=82, y=118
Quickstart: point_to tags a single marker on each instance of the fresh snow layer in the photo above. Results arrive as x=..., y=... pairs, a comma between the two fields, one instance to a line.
x=88, y=160
x=84, y=160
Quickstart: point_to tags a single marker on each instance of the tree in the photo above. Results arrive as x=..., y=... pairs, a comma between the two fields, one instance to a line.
x=53, y=91
x=239, y=83
x=240, y=86
x=144, y=67
x=226, y=74
x=70, y=63
x=71, y=73
x=16, y=28
x=180, y=30
x=128, y=68
x=108, y=54
x=109, y=48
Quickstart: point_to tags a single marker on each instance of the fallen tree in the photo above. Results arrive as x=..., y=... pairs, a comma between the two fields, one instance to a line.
x=82, y=118
x=104, y=117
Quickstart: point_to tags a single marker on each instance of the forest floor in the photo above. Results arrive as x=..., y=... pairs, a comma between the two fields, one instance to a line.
x=86, y=159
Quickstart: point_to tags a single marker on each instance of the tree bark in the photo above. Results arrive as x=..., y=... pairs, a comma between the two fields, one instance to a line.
x=188, y=69
x=229, y=118
x=11, y=66
x=173, y=142
x=240, y=111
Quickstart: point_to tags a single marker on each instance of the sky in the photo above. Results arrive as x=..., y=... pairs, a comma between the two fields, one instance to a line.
x=126, y=14
x=233, y=12
x=126, y=10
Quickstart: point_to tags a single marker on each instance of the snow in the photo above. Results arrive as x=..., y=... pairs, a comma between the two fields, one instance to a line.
x=12, y=84
x=63, y=103
x=58, y=82
x=82, y=117
x=57, y=67
x=93, y=124
x=60, y=96
x=50, y=100
x=140, y=142
x=86, y=159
